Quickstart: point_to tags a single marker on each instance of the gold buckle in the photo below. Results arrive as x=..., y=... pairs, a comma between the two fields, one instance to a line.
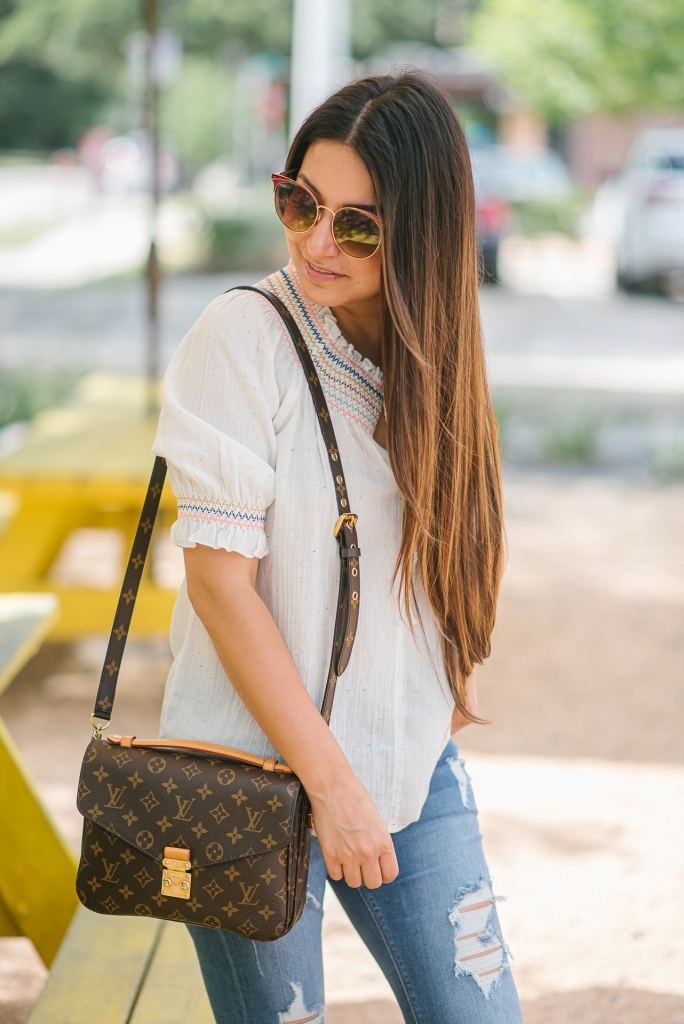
x=99, y=728
x=349, y=517
x=176, y=878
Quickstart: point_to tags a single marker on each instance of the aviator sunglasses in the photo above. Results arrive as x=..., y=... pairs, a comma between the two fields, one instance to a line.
x=356, y=232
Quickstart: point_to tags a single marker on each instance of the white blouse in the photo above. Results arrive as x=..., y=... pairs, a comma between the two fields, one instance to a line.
x=250, y=472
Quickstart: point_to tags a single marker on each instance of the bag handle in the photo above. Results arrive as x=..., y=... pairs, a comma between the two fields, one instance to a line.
x=347, y=615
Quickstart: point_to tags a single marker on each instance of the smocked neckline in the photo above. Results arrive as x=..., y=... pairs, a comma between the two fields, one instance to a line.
x=329, y=322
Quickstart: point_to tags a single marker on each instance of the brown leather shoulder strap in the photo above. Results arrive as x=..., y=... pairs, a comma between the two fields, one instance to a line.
x=106, y=692
x=347, y=615
x=349, y=590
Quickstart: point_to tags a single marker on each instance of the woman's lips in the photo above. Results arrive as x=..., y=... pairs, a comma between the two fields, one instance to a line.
x=320, y=275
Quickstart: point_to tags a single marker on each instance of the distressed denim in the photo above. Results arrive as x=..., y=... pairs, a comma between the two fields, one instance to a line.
x=434, y=931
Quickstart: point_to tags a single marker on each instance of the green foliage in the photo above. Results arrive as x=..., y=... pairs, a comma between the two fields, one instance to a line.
x=75, y=50
x=252, y=242
x=23, y=393
x=572, y=440
x=79, y=40
x=566, y=58
x=40, y=110
x=375, y=23
x=539, y=216
x=192, y=110
x=209, y=26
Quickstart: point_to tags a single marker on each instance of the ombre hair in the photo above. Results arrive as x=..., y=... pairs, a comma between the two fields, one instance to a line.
x=442, y=433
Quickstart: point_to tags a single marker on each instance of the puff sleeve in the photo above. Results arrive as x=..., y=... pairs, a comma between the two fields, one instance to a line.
x=216, y=426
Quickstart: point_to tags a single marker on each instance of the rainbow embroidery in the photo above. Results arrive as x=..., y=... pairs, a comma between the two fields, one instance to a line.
x=246, y=517
x=349, y=387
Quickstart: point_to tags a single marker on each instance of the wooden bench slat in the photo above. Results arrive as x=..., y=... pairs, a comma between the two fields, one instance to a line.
x=97, y=973
x=173, y=991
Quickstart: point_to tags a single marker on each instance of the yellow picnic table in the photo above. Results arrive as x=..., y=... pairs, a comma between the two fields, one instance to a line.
x=85, y=465
x=37, y=897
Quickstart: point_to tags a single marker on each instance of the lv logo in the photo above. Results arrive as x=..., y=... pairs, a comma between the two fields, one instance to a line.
x=248, y=892
x=254, y=819
x=110, y=871
x=183, y=808
x=115, y=793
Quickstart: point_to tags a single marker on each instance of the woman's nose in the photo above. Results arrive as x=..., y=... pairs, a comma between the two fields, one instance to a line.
x=320, y=241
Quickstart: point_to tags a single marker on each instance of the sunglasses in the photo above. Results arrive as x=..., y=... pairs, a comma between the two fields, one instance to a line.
x=356, y=233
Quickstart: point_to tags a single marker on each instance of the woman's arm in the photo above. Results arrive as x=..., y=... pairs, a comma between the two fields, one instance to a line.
x=354, y=840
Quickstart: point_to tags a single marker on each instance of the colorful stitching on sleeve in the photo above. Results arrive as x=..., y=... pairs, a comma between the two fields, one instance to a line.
x=246, y=517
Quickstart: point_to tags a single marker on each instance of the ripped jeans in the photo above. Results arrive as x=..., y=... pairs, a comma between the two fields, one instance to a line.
x=434, y=931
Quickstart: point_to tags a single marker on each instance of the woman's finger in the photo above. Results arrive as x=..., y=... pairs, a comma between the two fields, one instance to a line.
x=389, y=866
x=334, y=870
x=352, y=875
x=372, y=875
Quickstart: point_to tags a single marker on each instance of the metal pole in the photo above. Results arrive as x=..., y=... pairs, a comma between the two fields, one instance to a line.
x=320, y=54
x=153, y=271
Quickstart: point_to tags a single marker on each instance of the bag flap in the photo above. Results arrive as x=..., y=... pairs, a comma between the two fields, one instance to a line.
x=220, y=810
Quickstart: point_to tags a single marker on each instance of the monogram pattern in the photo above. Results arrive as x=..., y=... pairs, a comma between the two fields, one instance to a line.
x=245, y=829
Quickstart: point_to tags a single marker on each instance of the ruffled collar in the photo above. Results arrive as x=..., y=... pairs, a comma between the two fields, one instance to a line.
x=327, y=318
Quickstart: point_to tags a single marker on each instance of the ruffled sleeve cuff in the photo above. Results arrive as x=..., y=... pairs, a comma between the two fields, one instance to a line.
x=219, y=524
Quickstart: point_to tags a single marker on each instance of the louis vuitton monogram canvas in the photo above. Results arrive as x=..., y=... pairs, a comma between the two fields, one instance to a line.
x=242, y=825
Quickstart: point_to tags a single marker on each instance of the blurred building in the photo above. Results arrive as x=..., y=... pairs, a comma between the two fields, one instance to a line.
x=596, y=146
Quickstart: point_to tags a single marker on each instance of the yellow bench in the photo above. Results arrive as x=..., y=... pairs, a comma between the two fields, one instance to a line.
x=37, y=897
x=124, y=971
x=85, y=465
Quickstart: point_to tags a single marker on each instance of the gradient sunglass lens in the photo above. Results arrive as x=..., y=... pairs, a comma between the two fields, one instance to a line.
x=295, y=206
x=357, y=234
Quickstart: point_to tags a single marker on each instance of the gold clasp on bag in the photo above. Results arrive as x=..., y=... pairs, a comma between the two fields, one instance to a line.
x=99, y=727
x=176, y=874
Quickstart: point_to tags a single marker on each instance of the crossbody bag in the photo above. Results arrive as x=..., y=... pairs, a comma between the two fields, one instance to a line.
x=196, y=832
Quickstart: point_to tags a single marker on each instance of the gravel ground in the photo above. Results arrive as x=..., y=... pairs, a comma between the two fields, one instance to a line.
x=579, y=777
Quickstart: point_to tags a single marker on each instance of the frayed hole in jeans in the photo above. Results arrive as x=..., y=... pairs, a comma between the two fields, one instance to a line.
x=480, y=952
x=298, y=1012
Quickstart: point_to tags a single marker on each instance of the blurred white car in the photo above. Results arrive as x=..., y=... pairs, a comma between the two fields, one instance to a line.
x=644, y=208
x=504, y=175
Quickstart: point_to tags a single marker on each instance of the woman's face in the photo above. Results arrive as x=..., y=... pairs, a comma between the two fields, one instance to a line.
x=337, y=177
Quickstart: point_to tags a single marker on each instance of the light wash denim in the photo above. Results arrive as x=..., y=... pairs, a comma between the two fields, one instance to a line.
x=434, y=931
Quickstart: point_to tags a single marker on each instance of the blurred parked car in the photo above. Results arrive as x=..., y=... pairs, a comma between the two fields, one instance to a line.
x=643, y=211
x=505, y=175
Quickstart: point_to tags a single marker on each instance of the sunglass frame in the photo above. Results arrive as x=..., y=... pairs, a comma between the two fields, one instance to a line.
x=282, y=179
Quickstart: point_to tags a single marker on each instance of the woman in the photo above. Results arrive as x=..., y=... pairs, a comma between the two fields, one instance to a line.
x=385, y=294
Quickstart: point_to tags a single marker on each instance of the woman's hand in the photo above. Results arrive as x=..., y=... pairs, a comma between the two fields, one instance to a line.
x=355, y=843
x=458, y=719
x=354, y=840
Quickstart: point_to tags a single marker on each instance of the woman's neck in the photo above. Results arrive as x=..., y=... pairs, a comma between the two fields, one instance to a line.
x=360, y=325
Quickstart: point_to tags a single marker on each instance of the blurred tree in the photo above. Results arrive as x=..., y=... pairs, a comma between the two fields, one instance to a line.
x=375, y=23
x=75, y=51
x=41, y=110
x=566, y=58
x=193, y=111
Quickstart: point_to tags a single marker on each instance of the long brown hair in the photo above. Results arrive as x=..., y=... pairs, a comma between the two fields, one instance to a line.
x=442, y=433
